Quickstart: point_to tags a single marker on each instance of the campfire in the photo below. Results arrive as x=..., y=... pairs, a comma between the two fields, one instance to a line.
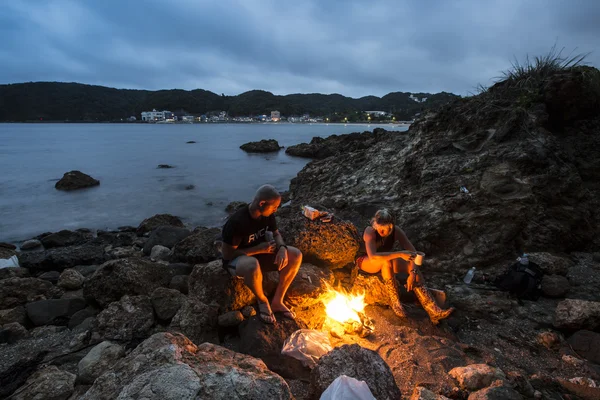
x=345, y=314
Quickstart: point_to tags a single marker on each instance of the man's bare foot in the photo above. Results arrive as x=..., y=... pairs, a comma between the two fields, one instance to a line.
x=265, y=314
x=281, y=308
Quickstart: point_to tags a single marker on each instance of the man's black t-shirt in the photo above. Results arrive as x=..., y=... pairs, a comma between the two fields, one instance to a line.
x=243, y=231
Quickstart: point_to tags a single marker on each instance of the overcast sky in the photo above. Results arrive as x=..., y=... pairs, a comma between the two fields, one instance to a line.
x=355, y=48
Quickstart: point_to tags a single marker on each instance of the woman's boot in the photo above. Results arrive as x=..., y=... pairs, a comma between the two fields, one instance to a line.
x=429, y=304
x=393, y=298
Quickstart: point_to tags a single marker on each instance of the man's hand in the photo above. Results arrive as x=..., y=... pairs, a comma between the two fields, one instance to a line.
x=282, y=258
x=267, y=247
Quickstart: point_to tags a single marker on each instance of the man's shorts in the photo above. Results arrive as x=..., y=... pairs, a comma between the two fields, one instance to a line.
x=266, y=262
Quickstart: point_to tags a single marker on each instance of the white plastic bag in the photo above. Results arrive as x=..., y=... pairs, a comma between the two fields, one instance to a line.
x=307, y=345
x=9, y=262
x=347, y=388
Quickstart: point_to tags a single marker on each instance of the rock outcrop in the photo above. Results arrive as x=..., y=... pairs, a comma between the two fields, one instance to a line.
x=74, y=180
x=264, y=146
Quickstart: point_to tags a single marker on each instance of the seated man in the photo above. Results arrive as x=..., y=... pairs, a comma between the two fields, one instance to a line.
x=253, y=245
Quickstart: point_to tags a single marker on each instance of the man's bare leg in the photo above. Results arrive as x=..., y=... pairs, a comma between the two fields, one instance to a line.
x=286, y=276
x=249, y=269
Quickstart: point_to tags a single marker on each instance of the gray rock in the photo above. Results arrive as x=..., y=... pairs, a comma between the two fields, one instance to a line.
x=50, y=276
x=585, y=282
x=577, y=314
x=551, y=264
x=71, y=279
x=476, y=376
x=132, y=276
x=232, y=318
x=10, y=333
x=263, y=146
x=555, y=285
x=160, y=253
x=195, y=320
x=81, y=316
x=167, y=236
x=180, y=283
x=350, y=360
x=421, y=393
x=199, y=247
x=17, y=291
x=130, y=318
x=166, y=302
x=31, y=244
x=234, y=206
x=62, y=257
x=74, y=180
x=86, y=270
x=496, y=393
x=16, y=314
x=73, y=294
x=586, y=344
x=248, y=311
x=65, y=238
x=53, y=311
x=174, y=368
x=99, y=360
x=149, y=224
x=49, y=383
x=14, y=272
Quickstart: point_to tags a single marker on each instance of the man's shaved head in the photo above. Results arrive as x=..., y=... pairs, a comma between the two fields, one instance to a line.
x=266, y=193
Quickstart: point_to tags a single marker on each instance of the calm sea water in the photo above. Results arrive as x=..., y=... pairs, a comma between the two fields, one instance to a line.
x=124, y=157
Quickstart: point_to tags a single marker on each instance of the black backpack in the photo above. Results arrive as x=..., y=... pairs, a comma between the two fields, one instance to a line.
x=524, y=281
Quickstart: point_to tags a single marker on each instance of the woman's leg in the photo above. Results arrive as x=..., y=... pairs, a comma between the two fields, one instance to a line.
x=391, y=286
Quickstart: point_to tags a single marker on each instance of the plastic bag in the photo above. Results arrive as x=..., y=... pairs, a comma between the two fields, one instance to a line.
x=347, y=388
x=9, y=262
x=307, y=345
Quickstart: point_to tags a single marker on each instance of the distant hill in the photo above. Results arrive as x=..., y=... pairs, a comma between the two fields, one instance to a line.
x=55, y=101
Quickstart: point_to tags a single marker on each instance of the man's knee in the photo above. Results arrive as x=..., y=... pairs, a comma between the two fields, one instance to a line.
x=248, y=266
x=294, y=254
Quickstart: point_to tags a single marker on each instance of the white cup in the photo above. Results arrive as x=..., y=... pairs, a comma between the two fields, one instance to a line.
x=419, y=258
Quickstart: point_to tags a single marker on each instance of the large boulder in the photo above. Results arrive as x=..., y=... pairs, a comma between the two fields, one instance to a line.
x=133, y=276
x=333, y=244
x=373, y=288
x=320, y=148
x=150, y=224
x=195, y=320
x=10, y=315
x=496, y=393
x=166, y=302
x=59, y=258
x=584, y=280
x=198, y=247
x=577, y=314
x=476, y=376
x=309, y=285
x=30, y=244
x=74, y=180
x=551, y=264
x=17, y=291
x=14, y=272
x=99, y=360
x=586, y=344
x=130, y=318
x=65, y=238
x=71, y=279
x=555, y=285
x=165, y=235
x=264, y=146
x=356, y=362
x=211, y=284
x=53, y=311
x=48, y=383
x=169, y=366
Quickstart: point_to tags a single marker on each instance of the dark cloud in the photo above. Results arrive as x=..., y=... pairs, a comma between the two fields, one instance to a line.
x=355, y=48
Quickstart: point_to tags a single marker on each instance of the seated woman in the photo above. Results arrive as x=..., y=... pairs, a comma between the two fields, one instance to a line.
x=379, y=239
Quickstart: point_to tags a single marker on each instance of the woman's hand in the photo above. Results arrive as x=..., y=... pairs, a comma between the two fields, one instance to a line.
x=408, y=255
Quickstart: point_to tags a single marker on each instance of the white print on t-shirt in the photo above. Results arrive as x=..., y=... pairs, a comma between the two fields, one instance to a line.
x=257, y=235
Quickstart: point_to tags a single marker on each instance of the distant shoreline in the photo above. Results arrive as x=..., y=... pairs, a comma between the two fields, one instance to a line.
x=403, y=123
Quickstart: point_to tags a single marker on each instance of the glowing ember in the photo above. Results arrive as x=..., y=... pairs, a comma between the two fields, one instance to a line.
x=344, y=308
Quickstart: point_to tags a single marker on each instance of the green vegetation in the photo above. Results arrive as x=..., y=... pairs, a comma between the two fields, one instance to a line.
x=54, y=101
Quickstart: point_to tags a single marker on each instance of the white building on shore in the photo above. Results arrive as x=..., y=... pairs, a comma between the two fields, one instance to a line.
x=151, y=116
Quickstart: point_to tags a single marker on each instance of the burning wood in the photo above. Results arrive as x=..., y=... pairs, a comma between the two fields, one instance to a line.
x=345, y=314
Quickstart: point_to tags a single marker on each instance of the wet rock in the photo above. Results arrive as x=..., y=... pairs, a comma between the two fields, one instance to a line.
x=132, y=276
x=195, y=320
x=48, y=383
x=198, y=247
x=130, y=318
x=53, y=311
x=180, y=283
x=332, y=245
x=149, y=224
x=265, y=341
x=164, y=166
x=99, y=360
x=356, y=362
x=555, y=285
x=62, y=257
x=166, y=302
x=476, y=376
x=174, y=368
x=586, y=344
x=160, y=253
x=16, y=314
x=65, y=238
x=31, y=244
x=70, y=279
x=17, y=291
x=74, y=180
x=167, y=236
x=496, y=393
x=230, y=319
x=11, y=332
x=209, y=283
x=234, y=206
x=264, y=146
x=577, y=314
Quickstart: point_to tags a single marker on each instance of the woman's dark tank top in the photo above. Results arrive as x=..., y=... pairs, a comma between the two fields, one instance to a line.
x=385, y=243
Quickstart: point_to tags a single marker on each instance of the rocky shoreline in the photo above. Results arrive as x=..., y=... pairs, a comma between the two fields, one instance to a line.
x=148, y=311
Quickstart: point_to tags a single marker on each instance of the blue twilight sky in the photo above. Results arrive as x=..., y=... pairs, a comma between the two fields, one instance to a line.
x=355, y=48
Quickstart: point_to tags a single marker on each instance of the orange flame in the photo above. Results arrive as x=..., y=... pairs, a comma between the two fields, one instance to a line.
x=343, y=307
